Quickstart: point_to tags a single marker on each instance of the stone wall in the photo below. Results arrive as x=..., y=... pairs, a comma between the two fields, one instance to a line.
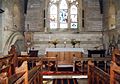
x=35, y=15
x=88, y=40
x=0, y=27
x=109, y=33
x=93, y=17
x=90, y=36
x=12, y=23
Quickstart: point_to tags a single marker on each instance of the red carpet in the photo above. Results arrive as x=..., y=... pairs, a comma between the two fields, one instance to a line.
x=60, y=73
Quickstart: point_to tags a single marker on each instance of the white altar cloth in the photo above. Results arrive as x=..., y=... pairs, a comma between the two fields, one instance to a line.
x=64, y=49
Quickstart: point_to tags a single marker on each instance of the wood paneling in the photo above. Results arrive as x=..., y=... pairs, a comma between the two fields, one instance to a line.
x=65, y=57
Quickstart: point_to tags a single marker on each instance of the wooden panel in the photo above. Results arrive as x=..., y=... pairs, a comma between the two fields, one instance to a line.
x=62, y=56
x=52, y=54
x=68, y=58
x=65, y=57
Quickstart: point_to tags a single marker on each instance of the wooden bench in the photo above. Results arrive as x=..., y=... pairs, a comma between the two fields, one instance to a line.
x=114, y=73
x=81, y=65
x=21, y=74
x=115, y=67
x=97, y=75
x=6, y=67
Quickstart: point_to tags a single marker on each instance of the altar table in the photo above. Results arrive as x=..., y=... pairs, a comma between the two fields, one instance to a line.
x=65, y=55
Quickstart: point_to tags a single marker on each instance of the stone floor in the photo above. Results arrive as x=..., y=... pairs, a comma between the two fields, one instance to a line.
x=80, y=81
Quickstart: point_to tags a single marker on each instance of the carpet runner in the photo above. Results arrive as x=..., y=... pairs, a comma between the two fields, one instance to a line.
x=60, y=73
x=65, y=81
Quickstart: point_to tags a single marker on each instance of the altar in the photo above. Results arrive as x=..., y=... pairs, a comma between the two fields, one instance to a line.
x=65, y=56
x=64, y=49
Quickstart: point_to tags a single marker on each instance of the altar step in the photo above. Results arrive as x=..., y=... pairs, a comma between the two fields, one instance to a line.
x=65, y=81
x=54, y=81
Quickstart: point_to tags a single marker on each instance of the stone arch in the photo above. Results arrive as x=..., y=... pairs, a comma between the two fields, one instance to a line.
x=13, y=40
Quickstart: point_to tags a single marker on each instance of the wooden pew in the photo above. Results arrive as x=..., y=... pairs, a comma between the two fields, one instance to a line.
x=7, y=76
x=25, y=76
x=114, y=73
x=97, y=75
x=5, y=68
x=81, y=64
x=7, y=65
x=115, y=52
x=21, y=74
x=115, y=67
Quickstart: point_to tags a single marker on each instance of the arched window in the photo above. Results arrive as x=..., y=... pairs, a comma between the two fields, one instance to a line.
x=53, y=17
x=73, y=17
x=63, y=14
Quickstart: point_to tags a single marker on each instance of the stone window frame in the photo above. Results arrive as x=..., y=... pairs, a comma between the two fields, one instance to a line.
x=79, y=18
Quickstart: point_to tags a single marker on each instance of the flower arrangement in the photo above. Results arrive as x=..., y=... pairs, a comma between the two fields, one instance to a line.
x=73, y=42
x=55, y=42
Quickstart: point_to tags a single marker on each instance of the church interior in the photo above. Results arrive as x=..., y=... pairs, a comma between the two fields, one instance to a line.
x=59, y=41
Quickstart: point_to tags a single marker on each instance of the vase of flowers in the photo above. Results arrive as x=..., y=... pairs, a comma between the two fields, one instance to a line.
x=73, y=42
x=55, y=42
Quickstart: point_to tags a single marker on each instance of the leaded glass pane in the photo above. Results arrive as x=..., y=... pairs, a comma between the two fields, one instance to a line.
x=63, y=25
x=73, y=18
x=63, y=16
x=63, y=4
x=53, y=25
x=53, y=9
x=73, y=25
x=54, y=1
x=73, y=9
x=53, y=17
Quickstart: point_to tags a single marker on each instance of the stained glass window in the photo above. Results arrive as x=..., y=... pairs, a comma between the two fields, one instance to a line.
x=73, y=16
x=53, y=17
x=63, y=14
